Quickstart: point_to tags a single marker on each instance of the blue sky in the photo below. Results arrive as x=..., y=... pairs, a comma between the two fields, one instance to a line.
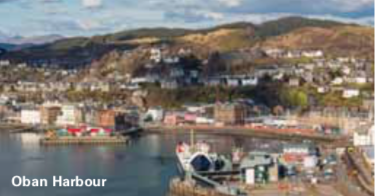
x=91, y=17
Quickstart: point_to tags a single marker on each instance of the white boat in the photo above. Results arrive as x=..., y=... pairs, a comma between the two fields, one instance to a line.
x=197, y=158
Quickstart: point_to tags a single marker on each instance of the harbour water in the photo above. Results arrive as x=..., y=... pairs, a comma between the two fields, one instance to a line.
x=142, y=168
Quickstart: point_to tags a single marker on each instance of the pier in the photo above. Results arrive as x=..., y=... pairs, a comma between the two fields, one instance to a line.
x=84, y=140
x=187, y=188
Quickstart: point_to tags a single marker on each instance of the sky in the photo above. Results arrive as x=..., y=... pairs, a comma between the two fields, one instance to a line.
x=93, y=17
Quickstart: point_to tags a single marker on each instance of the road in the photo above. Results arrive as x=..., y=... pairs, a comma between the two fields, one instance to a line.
x=245, y=131
x=351, y=184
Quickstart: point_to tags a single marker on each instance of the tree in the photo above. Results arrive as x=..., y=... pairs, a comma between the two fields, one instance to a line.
x=294, y=98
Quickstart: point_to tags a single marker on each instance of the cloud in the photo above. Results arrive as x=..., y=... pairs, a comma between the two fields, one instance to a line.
x=89, y=24
x=59, y=26
x=212, y=15
x=269, y=6
x=351, y=5
x=68, y=17
x=50, y=1
x=367, y=20
x=7, y=1
x=92, y=3
x=192, y=15
x=231, y=3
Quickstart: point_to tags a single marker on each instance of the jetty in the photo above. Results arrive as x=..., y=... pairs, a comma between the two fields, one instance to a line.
x=68, y=140
x=187, y=188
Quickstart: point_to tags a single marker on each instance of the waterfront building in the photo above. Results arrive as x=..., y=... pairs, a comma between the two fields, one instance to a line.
x=30, y=116
x=173, y=119
x=49, y=114
x=106, y=118
x=90, y=116
x=230, y=113
x=70, y=115
x=156, y=114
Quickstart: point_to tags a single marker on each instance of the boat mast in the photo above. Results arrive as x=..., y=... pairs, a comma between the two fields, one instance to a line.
x=191, y=137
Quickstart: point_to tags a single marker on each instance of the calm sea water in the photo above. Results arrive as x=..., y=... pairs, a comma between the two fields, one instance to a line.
x=142, y=168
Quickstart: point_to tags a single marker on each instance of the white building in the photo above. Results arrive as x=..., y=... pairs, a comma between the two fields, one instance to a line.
x=273, y=52
x=204, y=120
x=360, y=80
x=30, y=116
x=294, y=82
x=338, y=81
x=250, y=81
x=346, y=70
x=303, y=149
x=157, y=114
x=312, y=54
x=293, y=54
x=4, y=63
x=364, y=138
x=140, y=80
x=155, y=55
x=350, y=93
x=322, y=89
x=69, y=115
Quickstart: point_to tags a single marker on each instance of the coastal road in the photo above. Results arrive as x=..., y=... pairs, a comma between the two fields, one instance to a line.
x=246, y=131
x=349, y=183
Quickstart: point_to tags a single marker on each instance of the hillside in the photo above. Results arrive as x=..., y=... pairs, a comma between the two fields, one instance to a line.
x=221, y=40
x=288, y=24
x=290, y=32
x=67, y=53
x=340, y=40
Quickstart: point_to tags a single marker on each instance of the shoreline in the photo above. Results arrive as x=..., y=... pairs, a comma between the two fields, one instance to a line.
x=247, y=132
x=238, y=131
x=7, y=127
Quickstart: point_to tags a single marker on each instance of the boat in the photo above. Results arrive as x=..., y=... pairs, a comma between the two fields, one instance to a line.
x=197, y=162
x=198, y=158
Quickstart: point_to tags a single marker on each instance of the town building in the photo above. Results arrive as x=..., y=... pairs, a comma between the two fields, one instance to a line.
x=230, y=113
x=296, y=153
x=364, y=137
x=173, y=118
x=155, y=114
x=70, y=115
x=106, y=118
x=30, y=116
x=49, y=112
x=259, y=167
x=350, y=93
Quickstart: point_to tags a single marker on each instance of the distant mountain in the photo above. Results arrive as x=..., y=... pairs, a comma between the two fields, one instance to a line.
x=7, y=46
x=10, y=43
x=35, y=40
